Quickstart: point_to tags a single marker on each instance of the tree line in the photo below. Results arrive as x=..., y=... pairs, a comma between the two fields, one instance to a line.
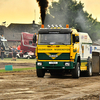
x=71, y=12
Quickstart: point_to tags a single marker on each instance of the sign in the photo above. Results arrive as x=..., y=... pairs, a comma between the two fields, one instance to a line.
x=53, y=62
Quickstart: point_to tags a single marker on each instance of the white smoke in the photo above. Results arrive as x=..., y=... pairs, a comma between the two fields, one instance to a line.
x=81, y=20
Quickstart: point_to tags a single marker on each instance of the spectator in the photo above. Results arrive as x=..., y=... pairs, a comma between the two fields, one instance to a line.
x=2, y=52
x=18, y=48
x=10, y=49
x=14, y=52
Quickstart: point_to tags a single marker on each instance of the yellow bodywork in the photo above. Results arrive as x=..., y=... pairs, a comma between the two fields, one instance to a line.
x=59, y=49
x=83, y=66
x=73, y=49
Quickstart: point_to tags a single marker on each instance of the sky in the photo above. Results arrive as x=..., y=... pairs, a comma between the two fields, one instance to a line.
x=25, y=11
x=92, y=7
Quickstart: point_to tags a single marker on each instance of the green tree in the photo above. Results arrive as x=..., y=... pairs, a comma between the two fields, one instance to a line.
x=71, y=12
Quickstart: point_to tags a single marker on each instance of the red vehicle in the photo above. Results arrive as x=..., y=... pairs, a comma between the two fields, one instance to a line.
x=27, y=46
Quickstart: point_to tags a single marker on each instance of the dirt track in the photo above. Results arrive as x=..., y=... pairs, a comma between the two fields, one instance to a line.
x=25, y=85
x=16, y=65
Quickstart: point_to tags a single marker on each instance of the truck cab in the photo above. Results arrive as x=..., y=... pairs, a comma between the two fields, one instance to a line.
x=59, y=50
x=27, y=46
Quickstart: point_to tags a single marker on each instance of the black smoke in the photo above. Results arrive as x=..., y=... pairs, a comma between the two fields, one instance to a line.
x=43, y=6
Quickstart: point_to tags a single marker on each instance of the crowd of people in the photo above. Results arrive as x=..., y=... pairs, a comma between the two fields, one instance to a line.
x=13, y=50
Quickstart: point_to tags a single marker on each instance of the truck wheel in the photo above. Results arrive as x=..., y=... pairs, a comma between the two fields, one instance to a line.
x=40, y=72
x=76, y=71
x=89, y=68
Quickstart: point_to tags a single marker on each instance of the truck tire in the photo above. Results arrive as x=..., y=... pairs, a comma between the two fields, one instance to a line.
x=40, y=72
x=89, y=68
x=76, y=71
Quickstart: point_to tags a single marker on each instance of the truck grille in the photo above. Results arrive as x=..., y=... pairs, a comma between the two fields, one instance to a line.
x=63, y=56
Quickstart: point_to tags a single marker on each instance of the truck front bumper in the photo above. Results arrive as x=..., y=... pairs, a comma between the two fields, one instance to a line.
x=55, y=65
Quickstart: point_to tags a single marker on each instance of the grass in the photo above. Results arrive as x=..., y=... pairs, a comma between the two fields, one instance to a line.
x=18, y=69
x=8, y=60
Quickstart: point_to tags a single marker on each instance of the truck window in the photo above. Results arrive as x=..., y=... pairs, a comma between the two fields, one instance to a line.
x=30, y=42
x=55, y=38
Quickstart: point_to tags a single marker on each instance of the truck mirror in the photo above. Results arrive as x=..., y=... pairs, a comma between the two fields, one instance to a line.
x=34, y=38
x=73, y=38
x=77, y=39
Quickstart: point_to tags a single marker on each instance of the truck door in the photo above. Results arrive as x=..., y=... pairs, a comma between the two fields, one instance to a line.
x=86, y=51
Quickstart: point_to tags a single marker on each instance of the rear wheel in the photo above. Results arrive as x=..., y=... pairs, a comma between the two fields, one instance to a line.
x=40, y=72
x=76, y=71
x=89, y=68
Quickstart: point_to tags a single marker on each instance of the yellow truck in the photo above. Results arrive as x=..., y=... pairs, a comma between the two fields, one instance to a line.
x=62, y=51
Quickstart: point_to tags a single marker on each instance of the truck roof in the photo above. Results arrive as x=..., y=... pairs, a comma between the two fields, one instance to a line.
x=56, y=31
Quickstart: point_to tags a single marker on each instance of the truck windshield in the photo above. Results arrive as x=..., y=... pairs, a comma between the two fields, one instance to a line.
x=54, y=39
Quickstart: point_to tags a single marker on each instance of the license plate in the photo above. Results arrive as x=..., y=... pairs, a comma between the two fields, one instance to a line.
x=53, y=62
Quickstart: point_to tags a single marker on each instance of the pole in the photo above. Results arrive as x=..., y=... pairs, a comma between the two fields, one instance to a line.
x=35, y=14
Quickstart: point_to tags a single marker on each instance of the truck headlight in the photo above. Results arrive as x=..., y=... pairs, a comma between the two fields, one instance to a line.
x=39, y=63
x=67, y=64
